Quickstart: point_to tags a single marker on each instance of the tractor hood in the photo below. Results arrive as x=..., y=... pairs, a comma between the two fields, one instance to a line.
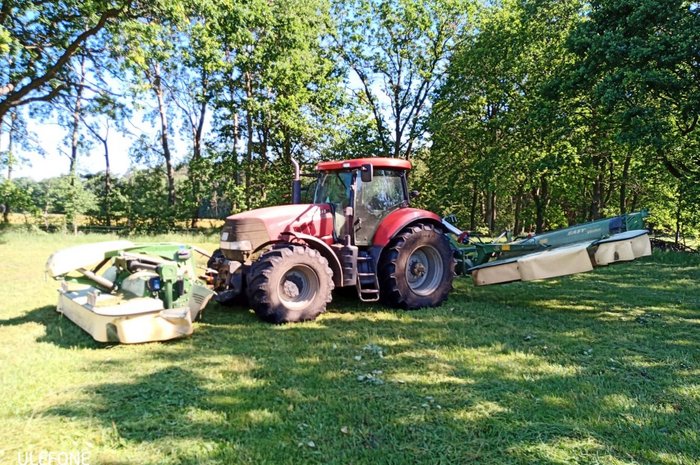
x=245, y=232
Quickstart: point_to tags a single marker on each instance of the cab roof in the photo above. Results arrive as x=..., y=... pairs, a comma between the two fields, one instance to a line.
x=376, y=162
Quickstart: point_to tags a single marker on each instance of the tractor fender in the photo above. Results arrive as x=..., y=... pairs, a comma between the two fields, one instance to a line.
x=398, y=220
x=325, y=251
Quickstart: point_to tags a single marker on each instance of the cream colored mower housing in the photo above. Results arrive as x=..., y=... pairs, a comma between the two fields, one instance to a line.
x=123, y=292
x=567, y=260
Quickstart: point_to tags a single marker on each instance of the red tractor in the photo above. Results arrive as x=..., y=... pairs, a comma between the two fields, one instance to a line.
x=359, y=231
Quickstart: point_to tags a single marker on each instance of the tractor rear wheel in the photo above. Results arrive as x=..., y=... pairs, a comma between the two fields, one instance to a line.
x=417, y=268
x=290, y=284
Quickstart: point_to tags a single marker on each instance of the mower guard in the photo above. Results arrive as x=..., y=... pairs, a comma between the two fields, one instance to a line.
x=563, y=261
x=572, y=250
x=147, y=293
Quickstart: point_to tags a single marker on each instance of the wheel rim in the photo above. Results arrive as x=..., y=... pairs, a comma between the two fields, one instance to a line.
x=424, y=270
x=298, y=286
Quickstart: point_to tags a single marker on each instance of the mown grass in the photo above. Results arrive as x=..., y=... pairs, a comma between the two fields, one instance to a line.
x=598, y=368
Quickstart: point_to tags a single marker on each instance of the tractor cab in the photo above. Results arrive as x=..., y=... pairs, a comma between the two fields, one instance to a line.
x=361, y=193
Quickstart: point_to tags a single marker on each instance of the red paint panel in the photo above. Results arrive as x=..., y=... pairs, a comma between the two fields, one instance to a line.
x=397, y=220
x=378, y=162
x=314, y=220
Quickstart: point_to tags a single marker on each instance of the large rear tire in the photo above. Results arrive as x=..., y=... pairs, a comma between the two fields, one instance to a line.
x=417, y=268
x=290, y=284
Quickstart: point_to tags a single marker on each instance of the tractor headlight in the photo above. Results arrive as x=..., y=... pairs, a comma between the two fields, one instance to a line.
x=154, y=284
x=236, y=245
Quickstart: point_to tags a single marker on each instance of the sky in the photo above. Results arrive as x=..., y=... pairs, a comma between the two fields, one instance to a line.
x=55, y=162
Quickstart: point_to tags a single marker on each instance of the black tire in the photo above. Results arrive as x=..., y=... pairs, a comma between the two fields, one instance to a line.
x=417, y=268
x=290, y=284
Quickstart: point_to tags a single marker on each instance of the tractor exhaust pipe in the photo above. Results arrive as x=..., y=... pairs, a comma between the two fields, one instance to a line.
x=296, y=183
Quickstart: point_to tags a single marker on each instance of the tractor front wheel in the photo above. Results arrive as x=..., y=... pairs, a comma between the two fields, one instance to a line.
x=290, y=284
x=417, y=268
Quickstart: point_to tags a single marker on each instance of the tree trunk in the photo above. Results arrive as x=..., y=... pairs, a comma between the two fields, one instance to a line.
x=10, y=146
x=541, y=197
x=678, y=218
x=108, y=185
x=10, y=162
x=75, y=136
x=490, y=210
x=487, y=209
x=635, y=199
x=517, y=225
x=287, y=148
x=598, y=196
x=623, y=183
x=197, y=134
x=236, y=162
x=265, y=123
x=475, y=203
x=157, y=84
x=75, y=127
x=249, y=131
x=397, y=123
x=234, y=149
x=610, y=187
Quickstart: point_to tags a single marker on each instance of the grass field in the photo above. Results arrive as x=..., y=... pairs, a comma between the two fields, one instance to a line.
x=603, y=367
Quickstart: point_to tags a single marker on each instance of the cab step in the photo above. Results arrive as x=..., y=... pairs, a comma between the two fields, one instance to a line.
x=367, y=282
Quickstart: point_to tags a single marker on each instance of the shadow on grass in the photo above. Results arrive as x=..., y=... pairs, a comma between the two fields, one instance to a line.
x=59, y=330
x=590, y=369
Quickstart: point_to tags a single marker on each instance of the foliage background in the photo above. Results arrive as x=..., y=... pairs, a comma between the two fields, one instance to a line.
x=517, y=114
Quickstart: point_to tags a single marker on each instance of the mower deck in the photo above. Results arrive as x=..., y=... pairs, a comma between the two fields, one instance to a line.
x=566, y=260
x=128, y=302
x=108, y=318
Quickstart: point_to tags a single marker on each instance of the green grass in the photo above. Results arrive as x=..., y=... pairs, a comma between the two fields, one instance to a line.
x=603, y=367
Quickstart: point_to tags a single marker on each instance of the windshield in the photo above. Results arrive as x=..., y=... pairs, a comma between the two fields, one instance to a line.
x=375, y=200
x=384, y=193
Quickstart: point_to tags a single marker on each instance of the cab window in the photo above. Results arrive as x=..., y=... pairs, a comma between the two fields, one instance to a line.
x=334, y=188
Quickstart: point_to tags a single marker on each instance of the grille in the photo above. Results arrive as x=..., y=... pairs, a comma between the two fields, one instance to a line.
x=243, y=229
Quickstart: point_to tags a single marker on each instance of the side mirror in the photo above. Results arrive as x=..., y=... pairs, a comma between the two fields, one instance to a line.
x=367, y=172
x=414, y=194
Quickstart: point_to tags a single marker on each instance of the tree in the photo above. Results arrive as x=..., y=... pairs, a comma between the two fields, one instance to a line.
x=13, y=195
x=191, y=87
x=67, y=195
x=398, y=51
x=638, y=60
x=38, y=41
x=103, y=115
x=276, y=95
x=149, y=63
x=18, y=137
x=494, y=132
